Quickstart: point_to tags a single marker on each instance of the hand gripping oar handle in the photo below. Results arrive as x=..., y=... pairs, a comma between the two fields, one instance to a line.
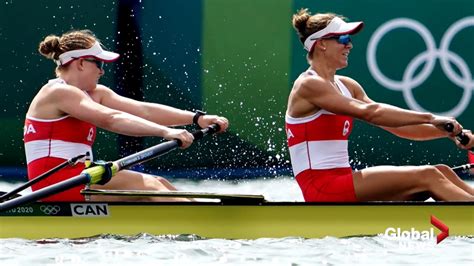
x=461, y=137
x=159, y=149
x=199, y=134
x=93, y=175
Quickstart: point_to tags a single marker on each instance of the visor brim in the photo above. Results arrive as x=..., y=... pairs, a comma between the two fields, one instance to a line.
x=350, y=28
x=107, y=56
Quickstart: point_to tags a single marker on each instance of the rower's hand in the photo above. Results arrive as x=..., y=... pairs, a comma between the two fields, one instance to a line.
x=207, y=120
x=469, y=145
x=441, y=123
x=184, y=136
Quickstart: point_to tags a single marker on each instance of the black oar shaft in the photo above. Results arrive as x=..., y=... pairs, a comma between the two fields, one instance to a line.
x=146, y=154
x=160, y=149
x=42, y=176
x=45, y=192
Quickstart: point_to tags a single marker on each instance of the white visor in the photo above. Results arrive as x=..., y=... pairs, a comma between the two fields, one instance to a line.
x=95, y=51
x=337, y=26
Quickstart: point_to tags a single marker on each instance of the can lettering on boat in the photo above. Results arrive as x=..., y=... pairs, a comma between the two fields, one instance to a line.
x=90, y=209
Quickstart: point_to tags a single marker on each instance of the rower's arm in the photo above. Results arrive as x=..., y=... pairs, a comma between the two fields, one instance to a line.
x=158, y=113
x=321, y=93
x=422, y=131
x=73, y=101
x=418, y=132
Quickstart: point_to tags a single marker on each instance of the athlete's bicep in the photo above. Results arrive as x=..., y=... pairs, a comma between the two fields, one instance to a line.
x=325, y=97
x=79, y=105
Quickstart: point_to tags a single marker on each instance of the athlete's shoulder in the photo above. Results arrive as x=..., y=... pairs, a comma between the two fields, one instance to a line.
x=311, y=82
x=102, y=87
x=347, y=80
x=101, y=91
x=64, y=91
x=59, y=90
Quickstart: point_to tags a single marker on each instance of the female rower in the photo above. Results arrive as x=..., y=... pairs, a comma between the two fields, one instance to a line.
x=319, y=119
x=62, y=118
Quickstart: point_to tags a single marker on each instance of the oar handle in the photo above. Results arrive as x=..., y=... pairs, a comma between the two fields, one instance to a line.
x=461, y=137
x=199, y=134
x=161, y=149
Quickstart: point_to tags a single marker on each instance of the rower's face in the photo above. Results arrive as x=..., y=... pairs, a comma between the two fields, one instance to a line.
x=337, y=51
x=92, y=71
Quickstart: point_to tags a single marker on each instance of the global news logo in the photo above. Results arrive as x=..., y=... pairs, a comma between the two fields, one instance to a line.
x=413, y=234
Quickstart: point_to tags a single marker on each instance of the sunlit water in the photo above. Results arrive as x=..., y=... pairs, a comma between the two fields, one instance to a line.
x=193, y=250
x=188, y=250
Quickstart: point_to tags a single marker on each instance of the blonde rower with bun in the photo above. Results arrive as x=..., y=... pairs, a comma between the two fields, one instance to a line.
x=62, y=118
x=320, y=114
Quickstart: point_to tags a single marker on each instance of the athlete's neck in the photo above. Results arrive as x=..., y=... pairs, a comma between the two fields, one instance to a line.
x=72, y=80
x=324, y=71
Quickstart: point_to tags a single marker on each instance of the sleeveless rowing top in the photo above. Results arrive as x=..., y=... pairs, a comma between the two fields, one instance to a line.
x=319, y=141
x=63, y=137
x=49, y=142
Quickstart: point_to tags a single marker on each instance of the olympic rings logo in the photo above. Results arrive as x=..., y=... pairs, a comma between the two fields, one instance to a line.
x=428, y=57
x=50, y=209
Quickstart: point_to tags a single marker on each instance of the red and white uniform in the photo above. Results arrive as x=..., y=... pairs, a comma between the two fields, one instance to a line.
x=318, y=146
x=49, y=142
